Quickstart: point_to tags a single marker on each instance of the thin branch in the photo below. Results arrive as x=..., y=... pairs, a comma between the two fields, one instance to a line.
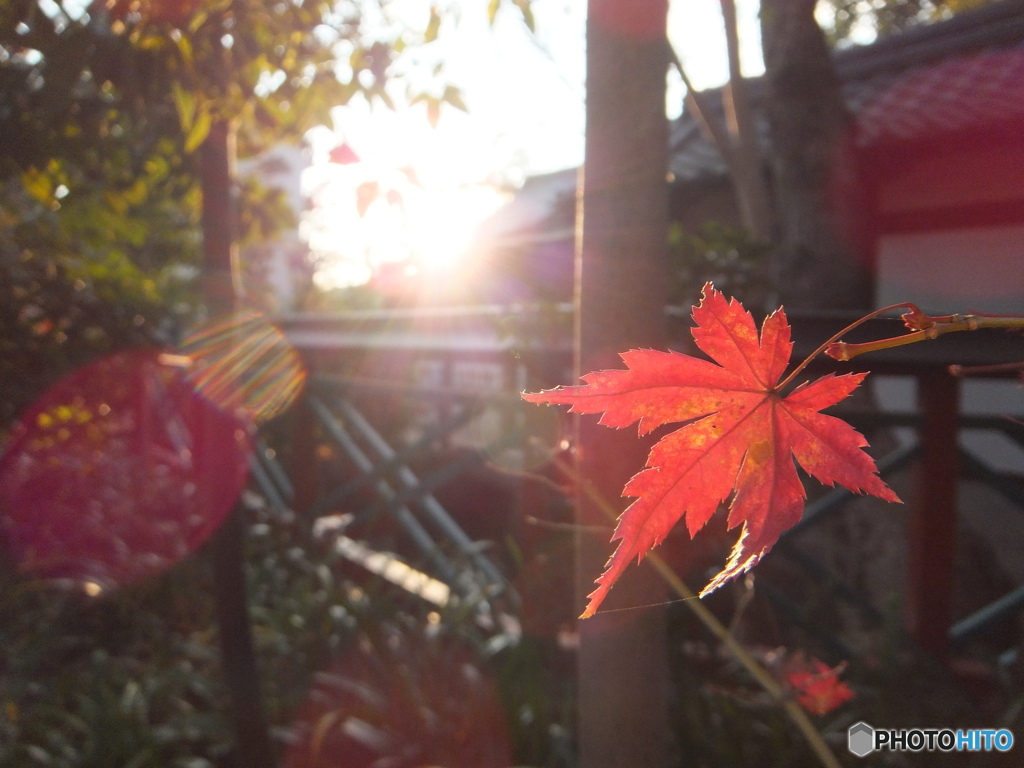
x=843, y=351
x=927, y=328
x=719, y=630
x=981, y=370
x=696, y=103
x=750, y=184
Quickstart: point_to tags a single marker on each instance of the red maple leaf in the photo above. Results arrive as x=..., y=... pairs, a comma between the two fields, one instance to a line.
x=343, y=154
x=737, y=438
x=816, y=685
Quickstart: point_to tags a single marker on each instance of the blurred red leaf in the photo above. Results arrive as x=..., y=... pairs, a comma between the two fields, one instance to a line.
x=343, y=154
x=366, y=193
x=817, y=686
x=411, y=175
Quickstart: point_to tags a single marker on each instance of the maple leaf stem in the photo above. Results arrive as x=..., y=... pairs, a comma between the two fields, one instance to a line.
x=836, y=337
x=717, y=628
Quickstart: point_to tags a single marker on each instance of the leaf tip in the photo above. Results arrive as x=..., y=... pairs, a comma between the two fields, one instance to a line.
x=544, y=397
x=890, y=495
x=723, y=578
x=594, y=600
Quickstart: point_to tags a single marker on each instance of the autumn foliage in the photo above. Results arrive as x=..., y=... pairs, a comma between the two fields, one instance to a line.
x=739, y=436
x=816, y=685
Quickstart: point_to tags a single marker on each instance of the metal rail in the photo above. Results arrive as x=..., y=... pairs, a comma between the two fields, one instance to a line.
x=450, y=336
x=413, y=527
x=408, y=480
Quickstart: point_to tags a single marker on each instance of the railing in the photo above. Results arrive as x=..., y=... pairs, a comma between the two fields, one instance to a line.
x=466, y=361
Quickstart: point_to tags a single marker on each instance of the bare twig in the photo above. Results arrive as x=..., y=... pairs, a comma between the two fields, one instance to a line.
x=924, y=328
x=697, y=103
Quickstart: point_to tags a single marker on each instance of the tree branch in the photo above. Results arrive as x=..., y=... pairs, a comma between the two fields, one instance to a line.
x=696, y=103
x=751, y=189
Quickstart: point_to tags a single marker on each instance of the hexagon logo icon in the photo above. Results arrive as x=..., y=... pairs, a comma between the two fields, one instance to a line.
x=861, y=739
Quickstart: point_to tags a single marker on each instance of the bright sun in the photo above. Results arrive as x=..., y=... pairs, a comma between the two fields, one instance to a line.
x=526, y=94
x=431, y=230
x=415, y=205
x=441, y=226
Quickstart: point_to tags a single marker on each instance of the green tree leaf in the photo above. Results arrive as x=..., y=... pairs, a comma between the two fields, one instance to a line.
x=453, y=95
x=199, y=130
x=433, y=26
x=527, y=11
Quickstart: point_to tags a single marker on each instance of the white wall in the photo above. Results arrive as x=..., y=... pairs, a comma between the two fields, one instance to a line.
x=959, y=270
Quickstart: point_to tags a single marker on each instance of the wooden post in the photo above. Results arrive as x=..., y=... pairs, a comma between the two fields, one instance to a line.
x=222, y=280
x=621, y=279
x=253, y=748
x=931, y=527
x=304, y=461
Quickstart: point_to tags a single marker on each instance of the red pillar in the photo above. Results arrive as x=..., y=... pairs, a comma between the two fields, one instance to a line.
x=931, y=527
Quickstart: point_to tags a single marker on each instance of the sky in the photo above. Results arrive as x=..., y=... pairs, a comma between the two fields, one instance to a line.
x=525, y=95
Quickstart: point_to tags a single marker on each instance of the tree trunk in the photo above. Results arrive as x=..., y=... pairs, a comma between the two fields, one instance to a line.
x=621, y=279
x=253, y=748
x=809, y=129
